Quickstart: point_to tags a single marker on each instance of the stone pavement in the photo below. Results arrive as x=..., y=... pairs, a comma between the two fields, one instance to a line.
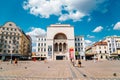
x=60, y=70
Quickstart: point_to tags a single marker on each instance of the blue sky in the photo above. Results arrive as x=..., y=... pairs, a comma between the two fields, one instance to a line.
x=95, y=19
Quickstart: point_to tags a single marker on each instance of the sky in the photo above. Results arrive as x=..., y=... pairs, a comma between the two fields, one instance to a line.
x=94, y=19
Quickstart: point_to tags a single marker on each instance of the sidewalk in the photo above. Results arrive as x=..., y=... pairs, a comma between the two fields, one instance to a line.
x=60, y=70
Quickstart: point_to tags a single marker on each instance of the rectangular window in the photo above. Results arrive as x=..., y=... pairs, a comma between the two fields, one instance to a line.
x=44, y=39
x=44, y=44
x=81, y=44
x=38, y=44
x=41, y=44
x=41, y=49
x=75, y=44
x=78, y=49
x=44, y=49
x=78, y=44
x=38, y=49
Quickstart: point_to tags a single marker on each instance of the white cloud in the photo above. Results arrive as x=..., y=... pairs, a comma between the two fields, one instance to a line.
x=88, y=43
x=89, y=36
x=98, y=29
x=75, y=9
x=117, y=26
x=35, y=32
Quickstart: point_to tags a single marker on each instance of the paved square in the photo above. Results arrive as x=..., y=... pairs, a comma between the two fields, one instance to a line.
x=60, y=70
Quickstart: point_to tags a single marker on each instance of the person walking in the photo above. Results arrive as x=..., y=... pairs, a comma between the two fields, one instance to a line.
x=79, y=63
x=16, y=61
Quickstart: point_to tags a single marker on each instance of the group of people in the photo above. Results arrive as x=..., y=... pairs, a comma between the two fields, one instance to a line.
x=76, y=62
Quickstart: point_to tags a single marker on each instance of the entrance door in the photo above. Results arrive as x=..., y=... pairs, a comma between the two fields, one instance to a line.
x=60, y=57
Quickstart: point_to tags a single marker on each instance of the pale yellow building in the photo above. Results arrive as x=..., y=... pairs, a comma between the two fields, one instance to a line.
x=13, y=42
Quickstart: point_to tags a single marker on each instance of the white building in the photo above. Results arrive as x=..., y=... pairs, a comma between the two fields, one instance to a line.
x=113, y=44
x=100, y=50
x=80, y=46
x=59, y=43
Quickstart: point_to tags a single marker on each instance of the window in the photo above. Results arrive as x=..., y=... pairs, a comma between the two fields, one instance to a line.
x=0, y=50
x=81, y=44
x=75, y=39
x=75, y=44
x=41, y=44
x=44, y=44
x=44, y=39
x=113, y=49
x=78, y=39
x=104, y=47
x=99, y=47
x=78, y=49
x=10, y=24
x=8, y=51
x=38, y=44
x=7, y=28
x=75, y=49
x=9, y=41
x=38, y=49
x=105, y=51
x=4, y=51
x=78, y=44
x=101, y=57
x=100, y=51
x=81, y=39
x=3, y=28
x=109, y=44
x=18, y=38
x=41, y=49
x=41, y=55
x=44, y=49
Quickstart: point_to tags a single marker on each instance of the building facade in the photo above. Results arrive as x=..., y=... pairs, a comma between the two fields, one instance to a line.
x=101, y=50
x=41, y=50
x=113, y=45
x=13, y=42
x=80, y=46
x=58, y=44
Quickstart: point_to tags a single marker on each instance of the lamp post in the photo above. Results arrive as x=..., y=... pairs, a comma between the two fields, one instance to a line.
x=94, y=58
x=11, y=58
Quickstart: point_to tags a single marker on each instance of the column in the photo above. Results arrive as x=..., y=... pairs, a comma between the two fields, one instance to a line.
x=62, y=47
x=58, y=47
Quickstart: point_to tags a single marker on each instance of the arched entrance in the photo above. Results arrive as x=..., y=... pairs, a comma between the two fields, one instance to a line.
x=60, y=46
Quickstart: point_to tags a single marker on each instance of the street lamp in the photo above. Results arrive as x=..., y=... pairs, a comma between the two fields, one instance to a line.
x=94, y=58
x=11, y=58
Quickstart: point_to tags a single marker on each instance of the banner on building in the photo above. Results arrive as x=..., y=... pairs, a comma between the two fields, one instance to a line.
x=71, y=52
x=50, y=51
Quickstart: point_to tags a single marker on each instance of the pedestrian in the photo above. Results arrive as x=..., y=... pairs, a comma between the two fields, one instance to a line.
x=45, y=60
x=16, y=61
x=73, y=62
x=79, y=63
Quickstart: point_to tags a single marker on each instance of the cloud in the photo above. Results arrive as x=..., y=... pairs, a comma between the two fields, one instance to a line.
x=35, y=32
x=89, y=36
x=88, y=43
x=65, y=9
x=98, y=29
x=117, y=26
